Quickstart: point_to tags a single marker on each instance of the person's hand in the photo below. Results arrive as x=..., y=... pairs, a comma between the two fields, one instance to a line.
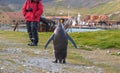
x=29, y=10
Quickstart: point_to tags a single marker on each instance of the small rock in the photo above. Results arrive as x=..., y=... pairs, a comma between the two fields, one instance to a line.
x=118, y=53
x=24, y=65
x=108, y=51
x=100, y=71
x=37, y=52
x=2, y=68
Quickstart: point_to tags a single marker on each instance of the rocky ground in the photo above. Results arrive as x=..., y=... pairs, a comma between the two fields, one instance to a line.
x=27, y=60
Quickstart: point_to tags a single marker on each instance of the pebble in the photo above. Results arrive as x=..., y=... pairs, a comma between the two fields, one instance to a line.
x=118, y=53
x=108, y=51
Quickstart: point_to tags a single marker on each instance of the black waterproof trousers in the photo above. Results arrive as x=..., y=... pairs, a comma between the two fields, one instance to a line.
x=32, y=29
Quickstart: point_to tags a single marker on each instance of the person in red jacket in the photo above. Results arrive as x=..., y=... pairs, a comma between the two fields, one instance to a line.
x=32, y=10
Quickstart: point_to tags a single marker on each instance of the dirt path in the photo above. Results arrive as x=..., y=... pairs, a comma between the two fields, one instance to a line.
x=27, y=60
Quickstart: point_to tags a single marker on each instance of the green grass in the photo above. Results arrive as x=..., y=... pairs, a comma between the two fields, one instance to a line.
x=100, y=39
x=84, y=40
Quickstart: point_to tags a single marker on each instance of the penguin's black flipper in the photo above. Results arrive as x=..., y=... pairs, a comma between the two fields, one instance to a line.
x=71, y=40
x=49, y=40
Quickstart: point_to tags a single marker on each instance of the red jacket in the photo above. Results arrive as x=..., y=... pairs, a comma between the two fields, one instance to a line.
x=37, y=10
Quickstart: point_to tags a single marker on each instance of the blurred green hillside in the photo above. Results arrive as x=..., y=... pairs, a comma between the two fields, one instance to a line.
x=111, y=8
x=73, y=7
